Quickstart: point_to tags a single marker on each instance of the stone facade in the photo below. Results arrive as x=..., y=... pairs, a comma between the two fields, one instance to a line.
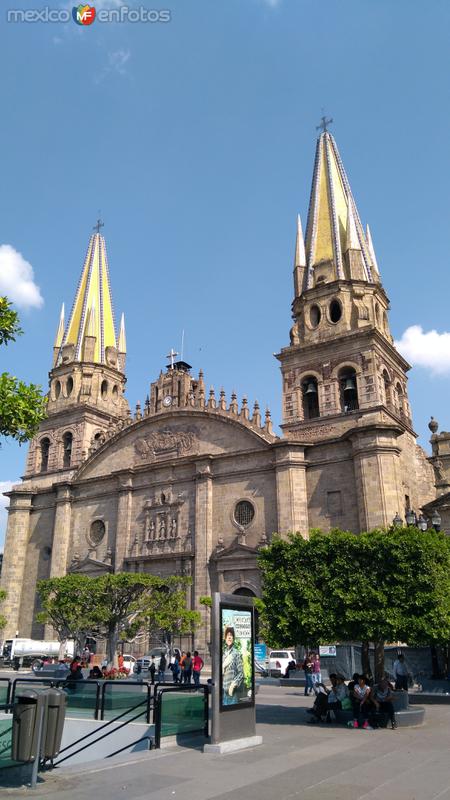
x=194, y=484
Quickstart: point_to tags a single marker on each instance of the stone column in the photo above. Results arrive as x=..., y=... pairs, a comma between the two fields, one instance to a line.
x=61, y=530
x=123, y=527
x=203, y=548
x=376, y=458
x=16, y=542
x=292, y=500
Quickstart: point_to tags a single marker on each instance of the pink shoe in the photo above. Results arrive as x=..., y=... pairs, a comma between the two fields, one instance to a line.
x=355, y=723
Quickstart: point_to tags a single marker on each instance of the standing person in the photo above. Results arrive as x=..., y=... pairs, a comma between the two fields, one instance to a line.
x=152, y=670
x=176, y=671
x=86, y=655
x=182, y=660
x=400, y=674
x=162, y=669
x=187, y=672
x=232, y=669
x=383, y=699
x=316, y=673
x=197, y=666
x=361, y=703
x=120, y=662
x=307, y=668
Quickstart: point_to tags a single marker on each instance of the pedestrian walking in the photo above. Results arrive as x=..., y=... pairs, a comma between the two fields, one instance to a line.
x=316, y=673
x=307, y=668
x=197, y=666
x=152, y=670
x=187, y=672
x=162, y=669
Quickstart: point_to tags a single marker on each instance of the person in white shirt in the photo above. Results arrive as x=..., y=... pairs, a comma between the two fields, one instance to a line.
x=400, y=674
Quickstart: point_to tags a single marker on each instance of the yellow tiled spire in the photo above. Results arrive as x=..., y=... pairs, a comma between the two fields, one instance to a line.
x=92, y=312
x=330, y=204
x=60, y=331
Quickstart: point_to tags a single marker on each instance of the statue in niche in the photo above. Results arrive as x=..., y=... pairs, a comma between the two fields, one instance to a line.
x=173, y=528
x=162, y=527
x=150, y=525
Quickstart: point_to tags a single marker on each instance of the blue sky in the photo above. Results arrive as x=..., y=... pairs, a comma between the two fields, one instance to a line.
x=196, y=139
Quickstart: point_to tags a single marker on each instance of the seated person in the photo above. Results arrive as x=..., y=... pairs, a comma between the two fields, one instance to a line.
x=320, y=706
x=95, y=673
x=361, y=702
x=338, y=693
x=383, y=699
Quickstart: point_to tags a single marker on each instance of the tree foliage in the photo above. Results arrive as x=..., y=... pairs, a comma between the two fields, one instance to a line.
x=116, y=606
x=22, y=405
x=379, y=586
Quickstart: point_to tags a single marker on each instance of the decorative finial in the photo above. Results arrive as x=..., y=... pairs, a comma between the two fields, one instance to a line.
x=433, y=425
x=324, y=122
x=99, y=224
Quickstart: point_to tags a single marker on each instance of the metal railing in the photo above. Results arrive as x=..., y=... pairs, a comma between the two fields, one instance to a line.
x=124, y=686
x=102, y=727
x=4, y=704
x=161, y=691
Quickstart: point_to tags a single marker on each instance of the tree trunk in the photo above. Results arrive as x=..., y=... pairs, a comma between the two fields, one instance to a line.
x=111, y=647
x=435, y=671
x=365, y=659
x=379, y=661
x=62, y=649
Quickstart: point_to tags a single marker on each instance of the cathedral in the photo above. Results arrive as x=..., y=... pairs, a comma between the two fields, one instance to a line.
x=195, y=484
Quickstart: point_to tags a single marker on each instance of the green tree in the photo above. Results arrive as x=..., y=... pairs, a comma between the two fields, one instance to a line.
x=126, y=602
x=115, y=606
x=22, y=406
x=67, y=605
x=378, y=586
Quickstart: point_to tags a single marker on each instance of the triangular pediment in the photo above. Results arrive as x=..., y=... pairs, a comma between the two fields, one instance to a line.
x=235, y=550
x=90, y=566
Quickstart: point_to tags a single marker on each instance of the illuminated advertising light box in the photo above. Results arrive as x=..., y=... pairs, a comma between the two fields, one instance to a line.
x=237, y=676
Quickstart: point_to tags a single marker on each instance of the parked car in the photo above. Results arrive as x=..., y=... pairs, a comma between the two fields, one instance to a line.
x=142, y=664
x=279, y=660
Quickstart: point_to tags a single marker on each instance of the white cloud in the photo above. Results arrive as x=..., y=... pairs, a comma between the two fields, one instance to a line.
x=430, y=349
x=5, y=486
x=118, y=59
x=17, y=279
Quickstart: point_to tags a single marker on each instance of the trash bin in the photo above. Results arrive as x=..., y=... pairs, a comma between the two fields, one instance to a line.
x=54, y=725
x=25, y=728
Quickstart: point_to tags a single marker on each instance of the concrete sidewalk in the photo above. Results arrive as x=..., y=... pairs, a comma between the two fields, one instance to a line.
x=297, y=760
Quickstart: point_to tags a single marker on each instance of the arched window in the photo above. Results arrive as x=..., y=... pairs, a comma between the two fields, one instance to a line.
x=243, y=591
x=348, y=390
x=104, y=389
x=69, y=386
x=67, y=449
x=45, y=450
x=387, y=388
x=399, y=399
x=310, y=399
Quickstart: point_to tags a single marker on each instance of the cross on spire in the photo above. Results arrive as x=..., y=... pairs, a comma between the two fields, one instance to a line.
x=324, y=122
x=99, y=224
x=171, y=355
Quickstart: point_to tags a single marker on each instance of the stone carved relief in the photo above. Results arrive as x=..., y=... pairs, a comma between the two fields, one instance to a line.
x=162, y=529
x=166, y=443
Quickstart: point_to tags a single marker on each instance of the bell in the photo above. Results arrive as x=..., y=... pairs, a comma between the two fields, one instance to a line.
x=349, y=385
x=311, y=388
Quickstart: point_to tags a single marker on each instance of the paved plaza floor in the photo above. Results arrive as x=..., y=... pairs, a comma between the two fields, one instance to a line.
x=296, y=761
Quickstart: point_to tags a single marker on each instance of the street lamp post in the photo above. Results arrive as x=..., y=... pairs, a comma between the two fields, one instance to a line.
x=410, y=517
x=397, y=521
x=436, y=520
x=422, y=523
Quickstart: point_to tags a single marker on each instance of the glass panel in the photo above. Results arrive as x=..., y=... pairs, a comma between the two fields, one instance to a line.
x=5, y=742
x=3, y=692
x=182, y=713
x=120, y=696
x=81, y=698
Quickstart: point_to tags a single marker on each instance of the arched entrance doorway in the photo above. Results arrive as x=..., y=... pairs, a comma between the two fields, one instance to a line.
x=244, y=591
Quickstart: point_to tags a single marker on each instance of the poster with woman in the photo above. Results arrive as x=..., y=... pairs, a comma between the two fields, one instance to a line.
x=237, y=677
